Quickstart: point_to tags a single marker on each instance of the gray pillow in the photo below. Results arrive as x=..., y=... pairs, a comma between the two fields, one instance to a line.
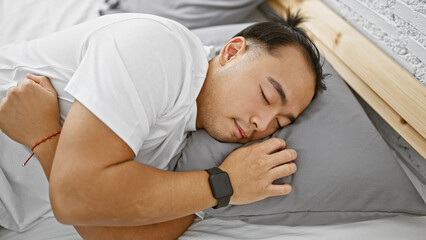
x=346, y=172
x=191, y=13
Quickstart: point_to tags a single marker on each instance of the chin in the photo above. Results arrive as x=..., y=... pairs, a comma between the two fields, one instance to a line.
x=245, y=140
x=226, y=139
x=220, y=136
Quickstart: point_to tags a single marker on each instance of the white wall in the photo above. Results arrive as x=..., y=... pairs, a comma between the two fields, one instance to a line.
x=398, y=27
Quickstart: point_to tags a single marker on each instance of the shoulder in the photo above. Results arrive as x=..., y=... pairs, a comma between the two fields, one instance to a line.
x=163, y=59
x=139, y=34
x=141, y=25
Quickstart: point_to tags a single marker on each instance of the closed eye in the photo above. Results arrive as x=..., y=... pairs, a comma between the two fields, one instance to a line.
x=264, y=97
x=278, y=122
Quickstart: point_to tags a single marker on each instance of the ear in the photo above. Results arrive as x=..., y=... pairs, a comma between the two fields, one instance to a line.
x=234, y=47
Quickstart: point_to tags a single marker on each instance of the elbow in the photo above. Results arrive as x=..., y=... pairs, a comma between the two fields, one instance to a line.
x=66, y=205
x=60, y=211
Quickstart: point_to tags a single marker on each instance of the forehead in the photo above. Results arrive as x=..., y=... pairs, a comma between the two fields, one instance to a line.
x=288, y=65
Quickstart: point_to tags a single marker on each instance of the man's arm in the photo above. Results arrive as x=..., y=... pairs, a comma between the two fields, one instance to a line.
x=94, y=180
x=16, y=104
x=165, y=230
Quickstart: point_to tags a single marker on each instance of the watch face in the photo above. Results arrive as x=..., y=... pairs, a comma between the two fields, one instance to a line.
x=221, y=185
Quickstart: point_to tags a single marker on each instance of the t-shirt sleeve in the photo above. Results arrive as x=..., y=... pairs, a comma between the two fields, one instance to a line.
x=121, y=87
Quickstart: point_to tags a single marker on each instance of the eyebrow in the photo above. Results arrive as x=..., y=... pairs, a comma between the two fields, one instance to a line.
x=281, y=92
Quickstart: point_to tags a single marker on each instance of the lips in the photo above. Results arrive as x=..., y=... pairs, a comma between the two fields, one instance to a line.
x=240, y=131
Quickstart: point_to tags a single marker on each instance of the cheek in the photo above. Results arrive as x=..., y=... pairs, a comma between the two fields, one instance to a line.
x=252, y=101
x=242, y=103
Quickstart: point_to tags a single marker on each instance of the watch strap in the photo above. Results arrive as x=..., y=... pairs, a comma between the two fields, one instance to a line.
x=214, y=171
x=224, y=201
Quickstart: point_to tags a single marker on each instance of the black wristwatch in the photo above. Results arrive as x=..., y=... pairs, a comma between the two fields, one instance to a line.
x=220, y=185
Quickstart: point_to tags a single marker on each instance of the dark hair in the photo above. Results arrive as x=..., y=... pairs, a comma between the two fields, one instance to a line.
x=280, y=32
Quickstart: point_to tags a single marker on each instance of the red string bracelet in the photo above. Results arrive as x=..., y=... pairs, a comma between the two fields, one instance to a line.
x=43, y=140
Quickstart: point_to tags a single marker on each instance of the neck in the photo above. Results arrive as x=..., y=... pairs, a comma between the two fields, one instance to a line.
x=202, y=95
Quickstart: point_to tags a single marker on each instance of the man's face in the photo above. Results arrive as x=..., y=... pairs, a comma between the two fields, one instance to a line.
x=248, y=96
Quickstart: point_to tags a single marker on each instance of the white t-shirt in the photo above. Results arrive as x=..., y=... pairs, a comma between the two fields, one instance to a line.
x=139, y=74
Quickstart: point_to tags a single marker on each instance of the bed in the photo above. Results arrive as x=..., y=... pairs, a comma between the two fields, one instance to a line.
x=328, y=203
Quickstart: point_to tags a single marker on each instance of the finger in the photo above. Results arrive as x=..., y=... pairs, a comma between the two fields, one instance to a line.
x=272, y=145
x=279, y=189
x=283, y=156
x=45, y=82
x=11, y=90
x=282, y=171
x=22, y=82
x=42, y=80
x=11, y=87
x=34, y=78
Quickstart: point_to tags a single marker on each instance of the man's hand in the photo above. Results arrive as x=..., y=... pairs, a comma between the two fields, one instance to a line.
x=252, y=170
x=30, y=111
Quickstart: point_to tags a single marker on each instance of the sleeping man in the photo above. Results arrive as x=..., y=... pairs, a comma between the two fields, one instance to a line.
x=130, y=89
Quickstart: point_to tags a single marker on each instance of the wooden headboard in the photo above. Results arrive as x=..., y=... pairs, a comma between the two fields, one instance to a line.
x=389, y=89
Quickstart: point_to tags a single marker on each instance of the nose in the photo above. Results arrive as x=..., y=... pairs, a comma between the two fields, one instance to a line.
x=262, y=122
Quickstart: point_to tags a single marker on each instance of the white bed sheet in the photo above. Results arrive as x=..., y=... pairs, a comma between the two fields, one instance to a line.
x=27, y=19
x=401, y=227
x=396, y=228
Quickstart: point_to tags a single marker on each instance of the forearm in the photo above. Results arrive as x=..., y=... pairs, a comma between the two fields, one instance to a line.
x=45, y=153
x=95, y=181
x=167, y=230
x=132, y=194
